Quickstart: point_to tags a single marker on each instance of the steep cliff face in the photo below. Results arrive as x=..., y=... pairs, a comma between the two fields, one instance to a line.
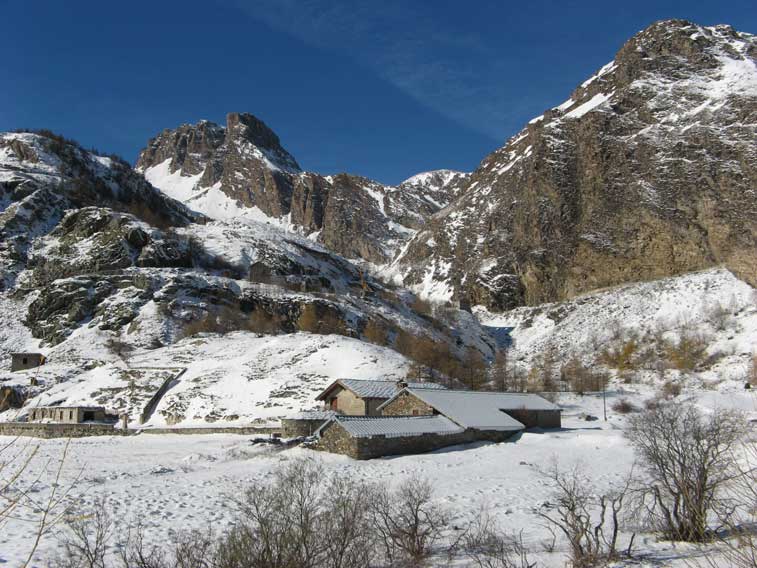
x=649, y=169
x=242, y=171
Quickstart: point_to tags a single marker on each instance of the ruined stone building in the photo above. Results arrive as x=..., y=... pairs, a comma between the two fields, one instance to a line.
x=69, y=414
x=23, y=361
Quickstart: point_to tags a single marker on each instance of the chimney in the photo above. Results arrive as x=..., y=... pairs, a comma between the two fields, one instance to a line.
x=401, y=384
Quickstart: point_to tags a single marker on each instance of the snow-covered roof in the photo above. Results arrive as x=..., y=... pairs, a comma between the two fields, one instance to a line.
x=480, y=410
x=314, y=415
x=375, y=389
x=394, y=426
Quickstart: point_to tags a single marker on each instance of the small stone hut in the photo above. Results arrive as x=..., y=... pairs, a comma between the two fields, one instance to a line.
x=69, y=414
x=475, y=409
x=23, y=361
x=354, y=397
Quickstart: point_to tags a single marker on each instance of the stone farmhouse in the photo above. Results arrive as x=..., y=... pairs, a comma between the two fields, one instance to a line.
x=23, y=361
x=418, y=417
x=481, y=408
x=354, y=397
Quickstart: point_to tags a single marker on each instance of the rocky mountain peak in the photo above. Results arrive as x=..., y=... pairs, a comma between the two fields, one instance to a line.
x=645, y=171
x=188, y=147
x=246, y=127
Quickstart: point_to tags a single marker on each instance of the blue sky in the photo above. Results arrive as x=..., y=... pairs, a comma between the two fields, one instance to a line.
x=383, y=88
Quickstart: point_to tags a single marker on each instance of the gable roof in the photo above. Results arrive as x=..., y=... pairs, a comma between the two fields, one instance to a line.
x=480, y=410
x=393, y=426
x=373, y=388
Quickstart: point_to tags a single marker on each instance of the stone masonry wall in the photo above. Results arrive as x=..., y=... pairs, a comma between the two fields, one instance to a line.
x=336, y=440
x=296, y=427
x=407, y=405
x=36, y=430
x=348, y=403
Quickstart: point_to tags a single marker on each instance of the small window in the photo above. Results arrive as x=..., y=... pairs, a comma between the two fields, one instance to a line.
x=25, y=361
x=415, y=412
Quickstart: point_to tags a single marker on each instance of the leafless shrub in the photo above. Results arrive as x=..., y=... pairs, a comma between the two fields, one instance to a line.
x=406, y=521
x=688, y=459
x=720, y=315
x=738, y=539
x=624, y=406
x=669, y=390
x=86, y=540
x=688, y=352
x=620, y=349
x=752, y=372
x=581, y=379
x=543, y=372
x=487, y=546
x=590, y=522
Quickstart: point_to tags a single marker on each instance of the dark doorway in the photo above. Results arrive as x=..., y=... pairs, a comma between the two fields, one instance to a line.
x=89, y=416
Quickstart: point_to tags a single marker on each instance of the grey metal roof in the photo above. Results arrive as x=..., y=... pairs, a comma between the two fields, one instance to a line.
x=481, y=410
x=395, y=426
x=381, y=389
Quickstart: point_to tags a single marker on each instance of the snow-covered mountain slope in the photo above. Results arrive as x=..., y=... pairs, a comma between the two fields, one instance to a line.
x=647, y=170
x=102, y=266
x=241, y=171
x=43, y=175
x=227, y=380
x=712, y=306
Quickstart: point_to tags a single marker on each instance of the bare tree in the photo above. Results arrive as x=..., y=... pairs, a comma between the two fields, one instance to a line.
x=406, y=521
x=487, y=546
x=589, y=521
x=87, y=538
x=688, y=458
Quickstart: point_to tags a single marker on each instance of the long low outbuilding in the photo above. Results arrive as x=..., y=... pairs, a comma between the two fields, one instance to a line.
x=367, y=437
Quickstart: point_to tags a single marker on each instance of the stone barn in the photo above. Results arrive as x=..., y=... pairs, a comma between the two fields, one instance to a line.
x=69, y=414
x=367, y=437
x=355, y=397
x=23, y=361
x=476, y=409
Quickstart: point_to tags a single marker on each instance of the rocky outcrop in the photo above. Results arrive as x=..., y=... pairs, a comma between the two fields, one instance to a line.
x=354, y=216
x=649, y=169
x=43, y=175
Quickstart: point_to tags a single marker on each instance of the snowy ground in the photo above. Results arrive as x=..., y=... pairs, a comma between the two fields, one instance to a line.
x=178, y=482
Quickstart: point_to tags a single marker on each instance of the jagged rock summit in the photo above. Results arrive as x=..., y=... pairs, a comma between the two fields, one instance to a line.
x=242, y=171
x=648, y=169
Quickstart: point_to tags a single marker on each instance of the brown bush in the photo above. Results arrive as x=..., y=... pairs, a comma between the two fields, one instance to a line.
x=624, y=406
x=688, y=352
x=670, y=389
x=376, y=333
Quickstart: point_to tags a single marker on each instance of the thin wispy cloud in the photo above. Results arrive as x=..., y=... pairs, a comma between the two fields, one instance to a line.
x=407, y=47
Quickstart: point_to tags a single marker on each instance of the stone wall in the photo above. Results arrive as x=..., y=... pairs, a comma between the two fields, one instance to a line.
x=23, y=361
x=348, y=403
x=536, y=418
x=407, y=405
x=297, y=427
x=372, y=404
x=37, y=430
x=335, y=439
